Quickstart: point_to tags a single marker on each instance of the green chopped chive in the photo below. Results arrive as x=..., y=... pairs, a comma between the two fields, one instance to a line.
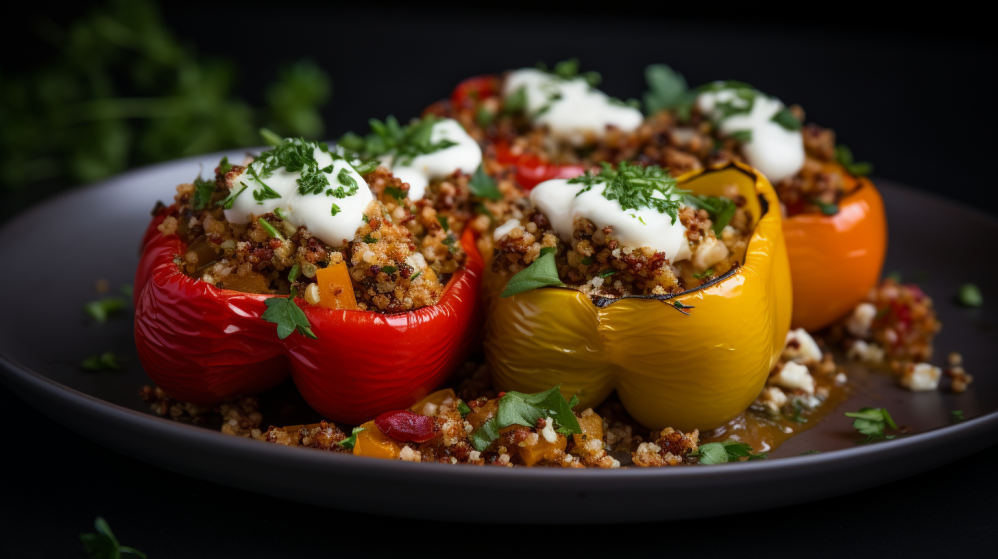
x=270, y=137
x=294, y=273
x=414, y=276
x=279, y=212
x=389, y=269
x=970, y=296
x=270, y=229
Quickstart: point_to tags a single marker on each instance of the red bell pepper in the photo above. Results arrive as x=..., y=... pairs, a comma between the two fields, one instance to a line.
x=202, y=344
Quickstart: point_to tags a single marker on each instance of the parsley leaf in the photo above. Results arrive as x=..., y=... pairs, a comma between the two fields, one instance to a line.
x=402, y=143
x=719, y=208
x=350, y=441
x=395, y=192
x=540, y=273
x=726, y=451
x=858, y=168
x=970, y=296
x=515, y=102
x=203, y=189
x=101, y=309
x=106, y=361
x=484, y=186
x=517, y=408
x=787, y=120
x=463, y=408
x=709, y=272
x=442, y=220
x=871, y=422
x=224, y=166
x=285, y=313
x=743, y=136
x=103, y=544
x=634, y=186
x=667, y=90
x=957, y=416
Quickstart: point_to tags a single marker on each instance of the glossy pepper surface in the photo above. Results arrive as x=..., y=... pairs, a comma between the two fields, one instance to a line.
x=669, y=369
x=203, y=344
x=836, y=259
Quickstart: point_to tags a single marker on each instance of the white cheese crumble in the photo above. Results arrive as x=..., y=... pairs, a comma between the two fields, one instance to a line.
x=866, y=352
x=801, y=347
x=861, y=320
x=550, y=435
x=921, y=378
x=464, y=156
x=794, y=376
x=505, y=228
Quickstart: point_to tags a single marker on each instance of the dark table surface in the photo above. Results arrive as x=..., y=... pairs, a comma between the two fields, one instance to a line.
x=895, y=92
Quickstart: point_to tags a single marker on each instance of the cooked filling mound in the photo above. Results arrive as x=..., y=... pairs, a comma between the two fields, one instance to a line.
x=400, y=259
x=682, y=136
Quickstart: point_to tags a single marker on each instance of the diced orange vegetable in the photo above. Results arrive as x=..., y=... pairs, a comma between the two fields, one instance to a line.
x=542, y=450
x=335, y=287
x=592, y=428
x=373, y=443
x=435, y=398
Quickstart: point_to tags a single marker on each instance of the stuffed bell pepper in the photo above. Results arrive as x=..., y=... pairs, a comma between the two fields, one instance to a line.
x=324, y=266
x=675, y=293
x=555, y=125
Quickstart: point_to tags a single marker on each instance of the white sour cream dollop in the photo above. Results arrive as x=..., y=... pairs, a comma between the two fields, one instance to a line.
x=465, y=156
x=775, y=151
x=314, y=211
x=562, y=204
x=574, y=109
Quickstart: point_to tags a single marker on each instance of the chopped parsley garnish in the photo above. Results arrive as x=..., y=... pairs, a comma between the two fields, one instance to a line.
x=451, y=243
x=540, y=273
x=442, y=220
x=103, y=544
x=681, y=307
x=743, y=136
x=957, y=416
x=569, y=69
x=294, y=273
x=667, y=90
x=349, y=442
x=270, y=229
x=227, y=202
x=970, y=296
x=517, y=408
x=203, y=189
x=634, y=187
x=462, y=407
x=334, y=210
x=279, y=212
x=719, y=208
x=484, y=186
x=787, y=120
x=484, y=117
x=395, y=192
x=369, y=239
x=744, y=98
x=414, y=276
x=726, y=451
x=704, y=274
x=285, y=313
x=101, y=309
x=266, y=193
x=389, y=269
x=827, y=209
x=402, y=143
x=607, y=273
x=587, y=261
x=871, y=422
x=224, y=166
x=106, y=361
x=857, y=168
x=515, y=102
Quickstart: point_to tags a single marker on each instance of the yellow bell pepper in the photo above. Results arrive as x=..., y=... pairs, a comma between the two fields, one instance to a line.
x=669, y=369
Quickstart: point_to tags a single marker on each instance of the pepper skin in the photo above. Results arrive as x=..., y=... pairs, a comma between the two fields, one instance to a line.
x=202, y=344
x=669, y=369
x=835, y=260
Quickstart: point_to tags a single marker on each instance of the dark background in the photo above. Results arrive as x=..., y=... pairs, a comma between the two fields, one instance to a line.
x=910, y=92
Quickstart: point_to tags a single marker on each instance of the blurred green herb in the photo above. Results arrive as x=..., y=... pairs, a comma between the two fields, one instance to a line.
x=872, y=422
x=351, y=441
x=858, y=168
x=106, y=361
x=726, y=451
x=484, y=186
x=667, y=89
x=103, y=544
x=401, y=143
x=121, y=89
x=970, y=296
x=957, y=416
x=102, y=309
x=542, y=272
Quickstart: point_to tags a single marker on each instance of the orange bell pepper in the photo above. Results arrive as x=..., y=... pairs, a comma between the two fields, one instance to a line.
x=836, y=259
x=371, y=442
x=335, y=287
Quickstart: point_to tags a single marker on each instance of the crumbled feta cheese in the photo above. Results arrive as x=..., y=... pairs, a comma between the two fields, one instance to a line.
x=550, y=435
x=794, y=376
x=505, y=228
x=801, y=347
x=453, y=460
x=861, y=320
x=468, y=428
x=709, y=252
x=409, y=455
x=430, y=409
x=841, y=378
x=615, y=464
x=503, y=459
x=597, y=282
x=474, y=456
x=773, y=398
x=921, y=378
x=866, y=352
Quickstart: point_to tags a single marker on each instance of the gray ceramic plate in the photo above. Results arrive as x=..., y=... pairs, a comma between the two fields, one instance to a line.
x=93, y=233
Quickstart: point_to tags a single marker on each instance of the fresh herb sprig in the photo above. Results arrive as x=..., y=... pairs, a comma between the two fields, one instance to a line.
x=106, y=361
x=634, y=187
x=102, y=309
x=845, y=158
x=103, y=544
x=719, y=208
x=285, y=313
x=569, y=70
x=726, y=451
x=542, y=272
x=517, y=408
x=872, y=422
x=351, y=441
x=484, y=186
x=401, y=143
